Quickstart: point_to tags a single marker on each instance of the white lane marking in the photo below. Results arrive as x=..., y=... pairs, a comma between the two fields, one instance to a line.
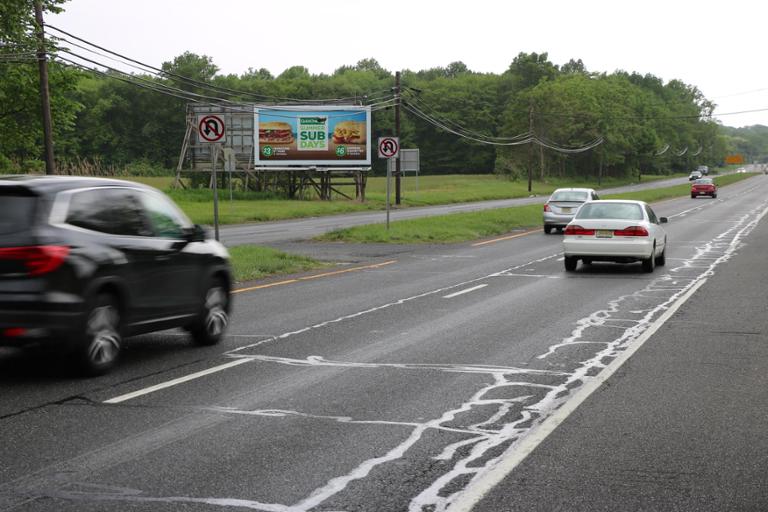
x=174, y=382
x=462, y=292
x=473, y=494
x=547, y=276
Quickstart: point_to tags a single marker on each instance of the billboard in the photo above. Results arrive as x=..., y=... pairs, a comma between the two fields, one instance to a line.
x=311, y=135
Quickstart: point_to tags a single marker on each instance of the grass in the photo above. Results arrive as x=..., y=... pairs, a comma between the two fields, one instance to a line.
x=251, y=262
x=461, y=227
x=249, y=206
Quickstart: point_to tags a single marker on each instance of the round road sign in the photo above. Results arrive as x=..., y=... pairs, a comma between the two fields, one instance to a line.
x=388, y=147
x=211, y=129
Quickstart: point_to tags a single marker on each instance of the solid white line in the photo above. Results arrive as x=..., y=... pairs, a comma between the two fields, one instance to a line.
x=462, y=292
x=180, y=380
x=473, y=494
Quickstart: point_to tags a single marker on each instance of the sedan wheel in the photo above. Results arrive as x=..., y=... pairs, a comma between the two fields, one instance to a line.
x=570, y=263
x=649, y=264
x=214, y=318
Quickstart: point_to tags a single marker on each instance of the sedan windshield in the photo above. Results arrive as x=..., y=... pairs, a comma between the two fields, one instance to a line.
x=569, y=195
x=624, y=211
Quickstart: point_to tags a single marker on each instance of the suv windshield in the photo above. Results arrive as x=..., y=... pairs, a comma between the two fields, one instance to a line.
x=16, y=211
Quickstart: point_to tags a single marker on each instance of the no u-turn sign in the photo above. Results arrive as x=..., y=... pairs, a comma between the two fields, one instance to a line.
x=389, y=147
x=210, y=128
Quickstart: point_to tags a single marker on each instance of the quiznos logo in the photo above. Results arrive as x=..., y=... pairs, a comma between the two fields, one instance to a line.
x=313, y=133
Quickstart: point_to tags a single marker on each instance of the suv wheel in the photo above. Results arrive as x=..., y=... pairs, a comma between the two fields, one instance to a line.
x=210, y=326
x=102, y=341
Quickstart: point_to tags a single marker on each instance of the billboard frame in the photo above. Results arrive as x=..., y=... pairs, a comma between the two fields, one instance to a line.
x=330, y=109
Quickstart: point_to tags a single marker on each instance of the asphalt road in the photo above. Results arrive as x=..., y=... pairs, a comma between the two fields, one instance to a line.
x=419, y=379
x=300, y=229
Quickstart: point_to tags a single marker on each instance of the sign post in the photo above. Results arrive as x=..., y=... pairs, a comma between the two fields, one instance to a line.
x=215, y=153
x=389, y=148
x=211, y=130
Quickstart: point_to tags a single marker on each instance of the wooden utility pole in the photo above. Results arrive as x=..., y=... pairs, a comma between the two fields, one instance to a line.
x=45, y=99
x=397, y=134
x=530, y=146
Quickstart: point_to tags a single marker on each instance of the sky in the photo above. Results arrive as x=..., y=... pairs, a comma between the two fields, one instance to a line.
x=717, y=46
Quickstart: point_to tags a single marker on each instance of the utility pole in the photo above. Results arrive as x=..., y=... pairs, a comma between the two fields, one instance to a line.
x=45, y=99
x=397, y=134
x=530, y=146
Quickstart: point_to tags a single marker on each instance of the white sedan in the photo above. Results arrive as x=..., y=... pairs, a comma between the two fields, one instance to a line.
x=621, y=231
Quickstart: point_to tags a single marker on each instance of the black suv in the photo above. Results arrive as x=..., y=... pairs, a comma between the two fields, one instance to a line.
x=87, y=261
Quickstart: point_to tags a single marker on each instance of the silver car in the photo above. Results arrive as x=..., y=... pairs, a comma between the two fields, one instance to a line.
x=562, y=205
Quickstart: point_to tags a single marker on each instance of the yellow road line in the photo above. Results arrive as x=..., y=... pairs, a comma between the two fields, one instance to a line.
x=505, y=238
x=316, y=276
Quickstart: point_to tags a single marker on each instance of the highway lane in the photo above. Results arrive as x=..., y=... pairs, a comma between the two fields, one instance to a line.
x=389, y=387
x=299, y=229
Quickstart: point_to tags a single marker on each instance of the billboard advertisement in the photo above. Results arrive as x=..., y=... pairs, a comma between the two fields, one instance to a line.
x=309, y=135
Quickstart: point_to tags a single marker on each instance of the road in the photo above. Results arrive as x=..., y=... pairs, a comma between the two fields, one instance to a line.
x=464, y=377
x=300, y=229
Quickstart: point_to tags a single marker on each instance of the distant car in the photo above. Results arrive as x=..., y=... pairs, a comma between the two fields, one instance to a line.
x=85, y=262
x=741, y=170
x=562, y=205
x=703, y=169
x=695, y=175
x=620, y=231
x=703, y=187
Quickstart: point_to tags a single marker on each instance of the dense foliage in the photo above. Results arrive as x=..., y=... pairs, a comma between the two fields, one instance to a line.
x=463, y=121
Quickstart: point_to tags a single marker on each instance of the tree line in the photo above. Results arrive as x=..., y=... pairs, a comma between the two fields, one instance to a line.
x=462, y=121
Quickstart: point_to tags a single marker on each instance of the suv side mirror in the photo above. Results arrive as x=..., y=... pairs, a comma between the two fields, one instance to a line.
x=196, y=233
x=663, y=220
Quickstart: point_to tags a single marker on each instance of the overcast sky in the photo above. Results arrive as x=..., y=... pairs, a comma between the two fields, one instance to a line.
x=718, y=46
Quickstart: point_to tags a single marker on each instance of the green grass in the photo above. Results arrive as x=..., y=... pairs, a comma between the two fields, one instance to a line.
x=460, y=227
x=251, y=262
x=443, y=229
x=249, y=206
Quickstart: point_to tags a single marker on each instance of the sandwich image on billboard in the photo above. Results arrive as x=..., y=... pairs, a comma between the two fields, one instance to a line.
x=310, y=135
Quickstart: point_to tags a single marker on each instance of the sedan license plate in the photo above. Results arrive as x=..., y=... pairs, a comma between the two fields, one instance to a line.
x=604, y=233
x=566, y=210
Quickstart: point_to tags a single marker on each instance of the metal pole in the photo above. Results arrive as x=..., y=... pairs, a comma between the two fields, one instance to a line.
x=215, y=151
x=389, y=178
x=397, y=134
x=530, y=147
x=45, y=99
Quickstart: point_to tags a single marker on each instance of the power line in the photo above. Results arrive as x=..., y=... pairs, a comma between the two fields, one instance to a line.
x=196, y=98
x=191, y=81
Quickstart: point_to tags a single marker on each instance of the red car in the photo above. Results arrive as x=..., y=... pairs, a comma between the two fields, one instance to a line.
x=703, y=187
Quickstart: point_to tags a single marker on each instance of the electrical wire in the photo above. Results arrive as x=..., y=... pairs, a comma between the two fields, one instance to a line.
x=460, y=130
x=434, y=122
x=197, y=83
x=457, y=126
x=195, y=98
